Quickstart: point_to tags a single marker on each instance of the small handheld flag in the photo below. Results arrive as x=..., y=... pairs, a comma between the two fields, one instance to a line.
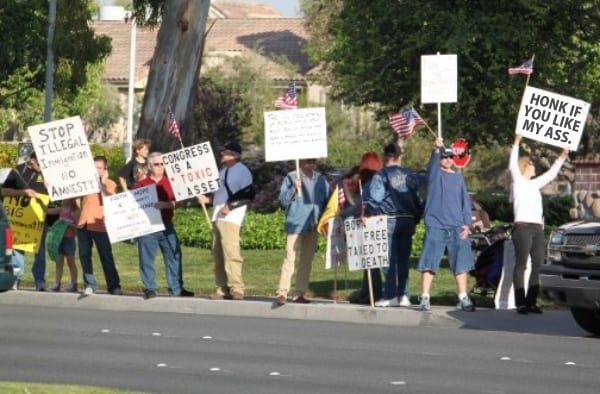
x=289, y=100
x=525, y=69
x=405, y=122
x=173, y=128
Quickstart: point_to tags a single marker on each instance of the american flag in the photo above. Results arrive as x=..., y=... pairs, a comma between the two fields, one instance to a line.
x=173, y=128
x=525, y=68
x=289, y=100
x=405, y=122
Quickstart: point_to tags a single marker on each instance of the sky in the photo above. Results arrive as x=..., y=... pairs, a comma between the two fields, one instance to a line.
x=289, y=8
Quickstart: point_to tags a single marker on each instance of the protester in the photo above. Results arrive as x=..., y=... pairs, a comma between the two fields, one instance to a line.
x=528, y=231
x=370, y=163
x=447, y=222
x=303, y=196
x=136, y=169
x=91, y=229
x=167, y=240
x=27, y=181
x=393, y=192
x=67, y=213
x=230, y=204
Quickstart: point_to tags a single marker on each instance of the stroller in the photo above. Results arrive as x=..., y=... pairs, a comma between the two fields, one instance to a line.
x=488, y=253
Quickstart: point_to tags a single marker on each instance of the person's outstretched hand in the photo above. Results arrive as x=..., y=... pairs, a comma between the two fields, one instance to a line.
x=439, y=142
x=518, y=139
x=565, y=152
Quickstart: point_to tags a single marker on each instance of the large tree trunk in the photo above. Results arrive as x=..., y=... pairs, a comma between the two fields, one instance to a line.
x=174, y=72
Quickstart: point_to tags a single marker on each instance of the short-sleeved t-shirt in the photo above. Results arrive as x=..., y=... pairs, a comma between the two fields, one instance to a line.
x=24, y=177
x=130, y=170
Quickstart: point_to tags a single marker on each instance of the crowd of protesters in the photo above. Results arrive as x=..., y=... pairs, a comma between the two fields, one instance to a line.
x=378, y=185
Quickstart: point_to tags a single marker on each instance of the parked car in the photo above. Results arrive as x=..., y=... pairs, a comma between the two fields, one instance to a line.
x=571, y=274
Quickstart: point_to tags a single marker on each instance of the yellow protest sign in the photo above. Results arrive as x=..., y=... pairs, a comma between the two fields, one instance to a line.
x=26, y=217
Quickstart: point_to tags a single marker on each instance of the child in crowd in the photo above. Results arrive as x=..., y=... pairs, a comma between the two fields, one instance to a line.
x=68, y=213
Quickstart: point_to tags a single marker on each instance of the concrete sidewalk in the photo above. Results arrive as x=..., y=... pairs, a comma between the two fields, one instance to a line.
x=556, y=322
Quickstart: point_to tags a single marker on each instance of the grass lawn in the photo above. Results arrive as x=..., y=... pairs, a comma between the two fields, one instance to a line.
x=41, y=388
x=261, y=275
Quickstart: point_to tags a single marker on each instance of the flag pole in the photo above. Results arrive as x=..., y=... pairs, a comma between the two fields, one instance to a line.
x=298, y=177
x=429, y=128
x=369, y=277
x=529, y=75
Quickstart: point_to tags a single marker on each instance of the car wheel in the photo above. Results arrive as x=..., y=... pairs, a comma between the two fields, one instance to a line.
x=588, y=319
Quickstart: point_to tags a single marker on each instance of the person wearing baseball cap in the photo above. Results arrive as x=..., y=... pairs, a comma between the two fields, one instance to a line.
x=447, y=227
x=230, y=203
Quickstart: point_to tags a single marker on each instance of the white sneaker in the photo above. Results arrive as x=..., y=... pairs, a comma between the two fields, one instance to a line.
x=386, y=303
x=88, y=291
x=405, y=301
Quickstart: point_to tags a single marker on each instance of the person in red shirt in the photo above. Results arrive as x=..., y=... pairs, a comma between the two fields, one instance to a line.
x=166, y=240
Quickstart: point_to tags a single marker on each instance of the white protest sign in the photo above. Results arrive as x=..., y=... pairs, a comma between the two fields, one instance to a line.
x=65, y=158
x=295, y=134
x=552, y=118
x=132, y=214
x=192, y=171
x=335, y=253
x=367, y=244
x=439, y=78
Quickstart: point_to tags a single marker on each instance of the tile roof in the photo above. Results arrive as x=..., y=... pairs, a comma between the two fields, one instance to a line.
x=278, y=38
x=239, y=9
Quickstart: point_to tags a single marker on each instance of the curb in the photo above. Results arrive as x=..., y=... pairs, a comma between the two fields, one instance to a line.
x=255, y=307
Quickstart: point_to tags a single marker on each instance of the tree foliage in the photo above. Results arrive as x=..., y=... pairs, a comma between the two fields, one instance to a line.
x=78, y=55
x=370, y=53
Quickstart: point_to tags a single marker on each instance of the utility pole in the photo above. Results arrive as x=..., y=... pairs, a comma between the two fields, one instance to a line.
x=50, y=62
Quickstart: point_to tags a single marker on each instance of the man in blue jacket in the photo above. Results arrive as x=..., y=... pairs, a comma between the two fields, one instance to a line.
x=394, y=192
x=303, y=196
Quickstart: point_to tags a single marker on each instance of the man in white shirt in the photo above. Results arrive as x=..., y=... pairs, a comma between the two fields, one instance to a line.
x=230, y=203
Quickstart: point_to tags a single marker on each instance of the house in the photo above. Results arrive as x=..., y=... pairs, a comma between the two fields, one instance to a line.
x=234, y=29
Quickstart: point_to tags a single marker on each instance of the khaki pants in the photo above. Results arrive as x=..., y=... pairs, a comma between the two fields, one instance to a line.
x=307, y=243
x=227, y=257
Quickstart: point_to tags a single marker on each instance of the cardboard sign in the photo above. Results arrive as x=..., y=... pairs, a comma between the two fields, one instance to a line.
x=439, y=79
x=26, y=218
x=65, y=158
x=192, y=171
x=552, y=118
x=335, y=254
x=132, y=214
x=295, y=134
x=366, y=245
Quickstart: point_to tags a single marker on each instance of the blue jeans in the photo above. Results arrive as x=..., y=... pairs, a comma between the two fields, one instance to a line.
x=400, y=232
x=38, y=269
x=168, y=242
x=438, y=240
x=86, y=239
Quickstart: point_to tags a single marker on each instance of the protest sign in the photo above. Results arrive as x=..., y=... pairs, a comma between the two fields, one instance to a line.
x=26, y=218
x=552, y=118
x=65, y=158
x=366, y=244
x=132, y=214
x=192, y=171
x=438, y=79
x=335, y=253
x=295, y=134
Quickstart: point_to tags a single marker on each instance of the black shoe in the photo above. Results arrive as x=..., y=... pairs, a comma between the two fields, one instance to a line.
x=534, y=309
x=186, y=293
x=149, y=294
x=116, y=291
x=522, y=310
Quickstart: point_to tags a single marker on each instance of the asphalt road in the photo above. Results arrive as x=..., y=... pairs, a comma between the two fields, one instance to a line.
x=166, y=352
